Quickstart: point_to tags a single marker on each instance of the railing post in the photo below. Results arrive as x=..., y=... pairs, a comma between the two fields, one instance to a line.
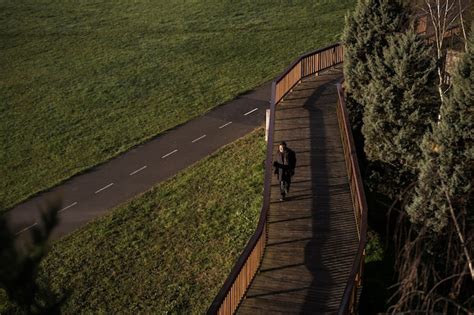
x=267, y=124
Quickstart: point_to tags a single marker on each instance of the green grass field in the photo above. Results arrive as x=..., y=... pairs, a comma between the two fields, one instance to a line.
x=81, y=82
x=170, y=249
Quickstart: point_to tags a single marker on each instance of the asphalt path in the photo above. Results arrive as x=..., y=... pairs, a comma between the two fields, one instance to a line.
x=91, y=194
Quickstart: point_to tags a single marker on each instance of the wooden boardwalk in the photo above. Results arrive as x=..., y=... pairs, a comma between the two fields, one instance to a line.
x=312, y=237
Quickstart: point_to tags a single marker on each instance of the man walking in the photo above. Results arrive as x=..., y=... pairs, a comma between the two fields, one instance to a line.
x=284, y=164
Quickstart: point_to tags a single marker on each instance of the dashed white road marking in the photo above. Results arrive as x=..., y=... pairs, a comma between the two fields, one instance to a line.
x=253, y=110
x=197, y=139
x=103, y=188
x=27, y=228
x=67, y=207
x=225, y=125
x=168, y=154
x=139, y=170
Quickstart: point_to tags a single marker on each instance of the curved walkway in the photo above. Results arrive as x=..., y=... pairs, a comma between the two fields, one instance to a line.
x=312, y=237
x=91, y=194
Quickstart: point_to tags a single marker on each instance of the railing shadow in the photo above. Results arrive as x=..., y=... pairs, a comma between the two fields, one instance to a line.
x=318, y=293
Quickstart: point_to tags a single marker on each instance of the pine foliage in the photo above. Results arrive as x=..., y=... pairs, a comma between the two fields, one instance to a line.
x=448, y=154
x=435, y=260
x=19, y=265
x=400, y=102
x=364, y=36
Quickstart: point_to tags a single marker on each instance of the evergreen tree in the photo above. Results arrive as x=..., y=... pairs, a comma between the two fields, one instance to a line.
x=364, y=36
x=435, y=264
x=400, y=101
x=19, y=266
x=448, y=154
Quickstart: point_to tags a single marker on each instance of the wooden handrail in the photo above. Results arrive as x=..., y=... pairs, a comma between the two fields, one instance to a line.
x=247, y=265
x=318, y=64
x=349, y=299
x=222, y=304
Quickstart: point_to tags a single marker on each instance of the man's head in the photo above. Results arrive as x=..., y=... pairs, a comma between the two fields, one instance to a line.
x=282, y=146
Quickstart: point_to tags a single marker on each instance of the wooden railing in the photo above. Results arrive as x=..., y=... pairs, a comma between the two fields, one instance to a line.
x=243, y=272
x=246, y=267
x=424, y=27
x=350, y=297
x=308, y=64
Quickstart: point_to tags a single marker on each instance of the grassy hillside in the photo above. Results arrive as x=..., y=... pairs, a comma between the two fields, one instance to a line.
x=170, y=249
x=83, y=81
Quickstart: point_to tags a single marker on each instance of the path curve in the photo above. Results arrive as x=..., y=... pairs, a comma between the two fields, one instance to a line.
x=89, y=195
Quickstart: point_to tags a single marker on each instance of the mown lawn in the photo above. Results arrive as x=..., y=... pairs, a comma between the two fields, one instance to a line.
x=170, y=249
x=82, y=81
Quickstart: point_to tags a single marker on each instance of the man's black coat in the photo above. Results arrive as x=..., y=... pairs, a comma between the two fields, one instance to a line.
x=285, y=164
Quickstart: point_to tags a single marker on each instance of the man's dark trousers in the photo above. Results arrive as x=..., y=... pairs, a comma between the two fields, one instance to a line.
x=285, y=167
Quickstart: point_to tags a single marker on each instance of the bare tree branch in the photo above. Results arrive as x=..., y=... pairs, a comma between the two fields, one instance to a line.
x=444, y=14
x=461, y=11
x=461, y=238
x=441, y=282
